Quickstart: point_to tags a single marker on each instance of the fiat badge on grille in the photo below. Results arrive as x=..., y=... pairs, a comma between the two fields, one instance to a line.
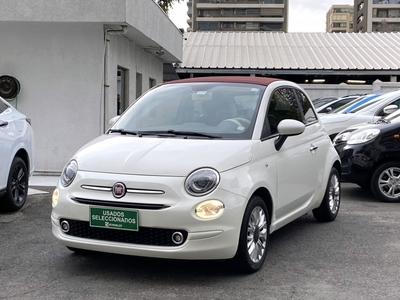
x=119, y=190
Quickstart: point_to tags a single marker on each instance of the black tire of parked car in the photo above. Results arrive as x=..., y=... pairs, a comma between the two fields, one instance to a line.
x=329, y=208
x=389, y=172
x=79, y=251
x=255, y=229
x=17, y=186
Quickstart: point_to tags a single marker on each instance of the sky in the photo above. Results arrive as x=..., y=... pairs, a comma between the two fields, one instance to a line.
x=304, y=15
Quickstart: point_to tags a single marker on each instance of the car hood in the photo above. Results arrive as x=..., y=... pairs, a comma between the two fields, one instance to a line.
x=368, y=125
x=161, y=156
x=334, y=118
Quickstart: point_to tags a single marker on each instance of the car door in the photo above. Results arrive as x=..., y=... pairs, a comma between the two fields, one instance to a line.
x=296, y=162
x=6, y=140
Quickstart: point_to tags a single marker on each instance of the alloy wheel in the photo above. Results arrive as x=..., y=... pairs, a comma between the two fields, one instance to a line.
x=18, y=184
x=257, y=234
x=389, y=182
x=334, y=194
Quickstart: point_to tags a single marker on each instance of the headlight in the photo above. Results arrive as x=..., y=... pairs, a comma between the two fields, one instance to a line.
x=363, y=136
x=202, y=182
x=210, y=209
x=341, y=137
x=69, y=172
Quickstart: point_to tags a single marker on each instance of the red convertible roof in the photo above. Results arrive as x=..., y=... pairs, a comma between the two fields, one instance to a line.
x=236, y=79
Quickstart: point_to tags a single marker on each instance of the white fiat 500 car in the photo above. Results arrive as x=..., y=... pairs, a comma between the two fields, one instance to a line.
x=16, y=157
x=201, y=168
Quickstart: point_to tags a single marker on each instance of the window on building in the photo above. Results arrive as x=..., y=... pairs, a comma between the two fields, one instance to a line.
x=253, y=12
x=226, y=25
x=152, y=82
x=208, y=26
x=226, y=12
x=240, y=12
x=380, y=13
x=122, y=90
x=138, y=85
x=240, y=25
x=252, y=26
x=394, y=13
x=272, y=12
x=271, y=27
x=339, y=25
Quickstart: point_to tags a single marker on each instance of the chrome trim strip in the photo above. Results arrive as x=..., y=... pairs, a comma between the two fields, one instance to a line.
x=132, y=191
x=138, y=191
x=96, y=188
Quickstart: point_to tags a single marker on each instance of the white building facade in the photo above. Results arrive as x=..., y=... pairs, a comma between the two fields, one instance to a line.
x=376, y=15
x=74, y=59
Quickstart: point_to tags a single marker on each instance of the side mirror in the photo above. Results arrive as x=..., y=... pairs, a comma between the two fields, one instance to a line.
x=389, y=109
x=286, y=128
x=113, y=120
x=328, y=109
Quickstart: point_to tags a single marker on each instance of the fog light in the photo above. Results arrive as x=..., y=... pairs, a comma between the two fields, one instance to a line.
x=54, y=199
x=210, y=209
x=177, y=238
x=65, y=226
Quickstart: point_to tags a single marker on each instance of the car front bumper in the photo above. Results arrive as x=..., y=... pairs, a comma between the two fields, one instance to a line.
x=357, y=162
x=203, y=239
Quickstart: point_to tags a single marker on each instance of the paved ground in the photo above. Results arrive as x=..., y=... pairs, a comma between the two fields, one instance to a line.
x=354, y=257
x=41, y=181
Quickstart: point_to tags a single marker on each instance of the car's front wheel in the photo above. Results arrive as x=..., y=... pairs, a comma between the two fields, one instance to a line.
x=385, y=182
x=254, y=236
x=329, y=207
x=17, y=186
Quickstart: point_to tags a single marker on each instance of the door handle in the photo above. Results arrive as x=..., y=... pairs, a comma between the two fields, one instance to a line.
x=313, y=148
x=3, y=123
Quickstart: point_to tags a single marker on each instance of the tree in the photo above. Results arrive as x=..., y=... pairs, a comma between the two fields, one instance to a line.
x=166, y=5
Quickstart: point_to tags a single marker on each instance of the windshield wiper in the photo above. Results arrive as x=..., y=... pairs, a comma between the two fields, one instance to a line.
x=123, y=131
x=171, y=133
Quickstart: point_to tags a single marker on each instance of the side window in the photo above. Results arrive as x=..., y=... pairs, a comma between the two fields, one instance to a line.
x=309, y=114
x=282, y=105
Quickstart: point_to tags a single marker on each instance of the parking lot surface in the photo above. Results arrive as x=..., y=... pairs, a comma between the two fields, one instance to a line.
x=354, y=257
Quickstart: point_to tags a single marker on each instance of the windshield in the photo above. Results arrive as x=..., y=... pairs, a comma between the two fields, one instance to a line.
x=342, y=108
x=194, y=110
x=364, y=105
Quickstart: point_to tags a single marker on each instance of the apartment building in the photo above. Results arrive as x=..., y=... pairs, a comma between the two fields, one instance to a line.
x=376, y=15
x=238, y=15
x=339, y=18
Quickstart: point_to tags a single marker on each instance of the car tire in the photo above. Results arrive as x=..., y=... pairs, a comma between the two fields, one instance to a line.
x=254, y=237
x=329, y=207
x=385, y=182
x=17, y=186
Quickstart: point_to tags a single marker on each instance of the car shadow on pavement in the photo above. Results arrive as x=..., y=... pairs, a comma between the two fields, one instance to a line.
x=358, y=194
x=139, y=268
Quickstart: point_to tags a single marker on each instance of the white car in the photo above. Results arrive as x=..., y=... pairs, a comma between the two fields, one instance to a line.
x=368, y=112
x=335, y=104
x=16, y=153
x=201, y=168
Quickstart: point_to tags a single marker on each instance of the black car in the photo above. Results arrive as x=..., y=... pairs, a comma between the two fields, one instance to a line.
x=370, y=155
